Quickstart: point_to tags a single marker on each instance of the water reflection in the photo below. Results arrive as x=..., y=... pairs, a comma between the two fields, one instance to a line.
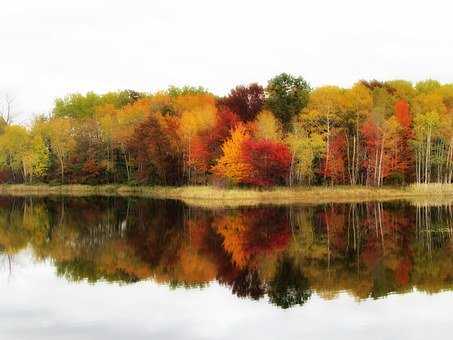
x=283, y=254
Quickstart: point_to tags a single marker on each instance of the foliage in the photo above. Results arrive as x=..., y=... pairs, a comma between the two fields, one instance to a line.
x=372, y=133
x=245, y=101
x=268, y=161
x=287, y=95
x=231, y=164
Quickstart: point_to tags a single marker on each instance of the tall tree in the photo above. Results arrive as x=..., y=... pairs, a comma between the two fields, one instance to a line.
x=269, y=162
x=267, y=127
x=245, y=101
x=287, y=95
x=62, y=142
x=231, y=164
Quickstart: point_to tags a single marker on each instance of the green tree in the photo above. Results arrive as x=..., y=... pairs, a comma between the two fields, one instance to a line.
x=287, y=95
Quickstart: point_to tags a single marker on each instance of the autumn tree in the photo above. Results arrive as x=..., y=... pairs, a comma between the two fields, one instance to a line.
x=429, y=113
x=267, y=127
x=206, y=146
x=326, y=106
x=232, y=164
x=198, y=115
x=59, y=132
x=23, y=152
x=307, y=144
x=334, y=166
x=268, y=162
x=155, y=150
x=80, y=106
x=245, y=101
x=117, y=127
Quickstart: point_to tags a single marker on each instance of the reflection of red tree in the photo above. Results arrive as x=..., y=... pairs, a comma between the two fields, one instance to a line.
x=252, y=233
x=333, y=219
x=402, y=272
x=385, y=237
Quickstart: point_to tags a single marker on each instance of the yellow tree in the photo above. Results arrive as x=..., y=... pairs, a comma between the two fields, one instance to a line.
x=361, y=102
x=306, y=143
x=23, y=152
x=62, y=142
x=430, y=112
x=198, y=116
x=118, y=125
x=13, y=147
x=36, y=158
x=329, y=102
x=268, y=127
x=232, y=165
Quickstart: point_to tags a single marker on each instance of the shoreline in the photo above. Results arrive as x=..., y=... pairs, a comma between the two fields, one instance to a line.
x=208, y=196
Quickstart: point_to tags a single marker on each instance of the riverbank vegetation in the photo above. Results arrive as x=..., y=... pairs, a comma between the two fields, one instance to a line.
x=212, y=197
x=285, y=134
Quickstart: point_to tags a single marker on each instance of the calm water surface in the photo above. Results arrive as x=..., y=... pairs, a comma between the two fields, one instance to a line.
x=118, y=268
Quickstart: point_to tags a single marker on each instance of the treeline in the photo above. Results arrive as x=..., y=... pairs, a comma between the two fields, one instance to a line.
x=286, y=133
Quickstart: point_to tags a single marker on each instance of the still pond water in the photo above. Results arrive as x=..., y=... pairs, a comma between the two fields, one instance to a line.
x=128, y=268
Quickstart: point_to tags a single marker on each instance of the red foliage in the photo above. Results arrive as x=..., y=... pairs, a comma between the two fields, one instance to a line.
x=268, y=231
x=334, y=167
x=396, y=152
x=206, y=148
x=226, y=121
x=200, y=155
x=373, y=139
x=91, y=169
x=402, y=114
x=245, y=101
x=404, y=118
x=270, y=162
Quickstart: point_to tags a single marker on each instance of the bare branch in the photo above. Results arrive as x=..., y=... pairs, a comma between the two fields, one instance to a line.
x=6, y=108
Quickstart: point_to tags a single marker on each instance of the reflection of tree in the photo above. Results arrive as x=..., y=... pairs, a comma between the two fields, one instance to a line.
x=369, y=250
x=248, y=284
x=251, y=233
x=7, y=264
x=289, y=287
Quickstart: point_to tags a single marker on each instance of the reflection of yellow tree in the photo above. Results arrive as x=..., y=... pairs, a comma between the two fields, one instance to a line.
x=233, y=228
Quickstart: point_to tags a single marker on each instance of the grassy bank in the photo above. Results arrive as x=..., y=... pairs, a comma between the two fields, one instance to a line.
x=218, y=197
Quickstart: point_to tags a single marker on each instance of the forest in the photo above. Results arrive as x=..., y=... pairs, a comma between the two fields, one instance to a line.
x=283, y=134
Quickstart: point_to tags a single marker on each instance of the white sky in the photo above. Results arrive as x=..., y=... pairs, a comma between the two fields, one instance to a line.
x=50, y=48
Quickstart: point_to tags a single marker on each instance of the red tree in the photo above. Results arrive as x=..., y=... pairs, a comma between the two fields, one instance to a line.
x=206, y=147
x=245, y=101
x=402, y=114
x=270, y=162
x=336, y=165
x=404, y=118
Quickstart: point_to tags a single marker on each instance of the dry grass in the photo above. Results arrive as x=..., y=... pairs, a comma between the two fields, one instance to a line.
x=217, y=197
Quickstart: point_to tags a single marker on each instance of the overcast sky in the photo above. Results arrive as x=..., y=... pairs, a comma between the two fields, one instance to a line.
x=50, y=48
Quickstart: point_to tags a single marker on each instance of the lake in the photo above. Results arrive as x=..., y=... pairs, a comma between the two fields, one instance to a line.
x=131, y=268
